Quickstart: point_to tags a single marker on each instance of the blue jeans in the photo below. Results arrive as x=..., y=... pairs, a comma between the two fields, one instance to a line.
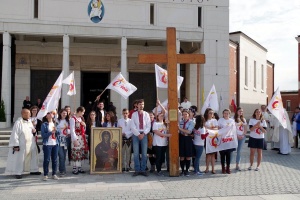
x=239, y=148
x=140, y=167
x=50, y=151
x=199, y=150
x=62, y=152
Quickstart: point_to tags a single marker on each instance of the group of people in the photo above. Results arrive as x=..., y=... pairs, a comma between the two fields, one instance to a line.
x=146, y=134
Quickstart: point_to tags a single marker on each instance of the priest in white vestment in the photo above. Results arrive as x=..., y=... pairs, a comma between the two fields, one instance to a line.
x=285, y=136
x=22, y=154
x=274, y=132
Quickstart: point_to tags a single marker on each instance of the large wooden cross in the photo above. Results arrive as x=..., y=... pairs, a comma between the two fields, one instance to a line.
x=171, y=59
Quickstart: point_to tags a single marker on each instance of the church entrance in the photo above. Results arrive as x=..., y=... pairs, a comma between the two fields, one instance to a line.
x=146, y=89
x=92, y=84
x=41, y=83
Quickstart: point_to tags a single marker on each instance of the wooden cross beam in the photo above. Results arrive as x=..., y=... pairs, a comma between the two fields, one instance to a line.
x=171, y=59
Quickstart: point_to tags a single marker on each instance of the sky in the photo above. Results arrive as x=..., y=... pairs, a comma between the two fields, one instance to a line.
x=274, y=24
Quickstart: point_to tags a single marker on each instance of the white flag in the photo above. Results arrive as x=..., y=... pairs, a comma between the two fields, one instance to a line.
x=211, y=101
x=275, y=106
x=52, y=99
x=161, y=76
x=70, y=80
x=121, y=86
x=218, y=140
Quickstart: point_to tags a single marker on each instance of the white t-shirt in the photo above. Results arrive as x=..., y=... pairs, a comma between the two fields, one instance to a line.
x=240, y=127
x=197, y=136
x=257, y=133
x=63, y=129
x=225, y=122
x=159, y=140
x=52, y=138
x=210, y=123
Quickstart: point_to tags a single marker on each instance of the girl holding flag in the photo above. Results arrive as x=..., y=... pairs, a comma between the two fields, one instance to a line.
x=226, y=154
x=210, y=123
x=258, y=128
x=241, y=130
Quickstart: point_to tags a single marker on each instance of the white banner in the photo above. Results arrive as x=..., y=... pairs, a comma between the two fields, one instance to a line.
x=71, y=82
x=121, y=86
x=161, y=77
x=218, y=140
x=211, y=101
x=52, y=99
x=275, y=106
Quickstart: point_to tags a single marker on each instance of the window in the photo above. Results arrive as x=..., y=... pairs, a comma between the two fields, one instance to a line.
x=36, y=9
x=246, y=71
x=288, y=105
x=152, y=14
x=254, y=74
x=199, y=16
x=262, y=78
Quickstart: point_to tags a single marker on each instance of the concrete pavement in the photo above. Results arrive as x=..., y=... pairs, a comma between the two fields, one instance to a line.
x=278, y=178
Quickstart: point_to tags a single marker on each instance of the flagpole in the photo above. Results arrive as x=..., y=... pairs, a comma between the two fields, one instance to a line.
x=157, y=92
x=99, y=95
x=74, y=103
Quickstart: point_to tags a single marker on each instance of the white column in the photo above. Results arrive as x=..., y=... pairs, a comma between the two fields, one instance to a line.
x=178, y=65
x=6, y=77
x=65, y=99
x=124, y=102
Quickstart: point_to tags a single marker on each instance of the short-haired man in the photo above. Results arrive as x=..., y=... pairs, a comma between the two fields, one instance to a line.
x=186, y=104
x=140, y=126
x=23, y=153
x=124, y=123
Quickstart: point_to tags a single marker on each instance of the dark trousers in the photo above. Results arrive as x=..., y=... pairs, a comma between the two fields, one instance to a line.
x=50, y=151
x=225, y=155
x=160, y=156
x=68, y=140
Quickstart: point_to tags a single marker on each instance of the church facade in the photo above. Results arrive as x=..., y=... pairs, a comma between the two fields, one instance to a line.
x=98, y=39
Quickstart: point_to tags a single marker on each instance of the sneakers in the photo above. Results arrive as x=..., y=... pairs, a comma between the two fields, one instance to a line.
x=81, y=170
x=182, y=174
x=238, y=169
x=199, y=173
x=250, y=168
x=55, y=177
x=75, y=172
x=18, y=176
x=144, y=174
x=187, y=174
x=160, y=173
x=62, y=174
x=45, y=178
x=135, y=174
x=257, y=169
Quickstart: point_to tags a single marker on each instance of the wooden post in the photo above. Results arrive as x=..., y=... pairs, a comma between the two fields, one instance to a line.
x=171, y=59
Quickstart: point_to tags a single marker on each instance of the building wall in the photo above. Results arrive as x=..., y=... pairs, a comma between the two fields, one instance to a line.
x=292, y=97
x=270, y=81
x=251, y=97
x=232, y=72
x=123, y=18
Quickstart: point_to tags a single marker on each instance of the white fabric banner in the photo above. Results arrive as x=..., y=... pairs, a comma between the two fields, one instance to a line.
x=218, y=140
x=121, y=86
x=161, y=77
x=52, y=99
x=211, y=101
x=71, y=82
x=275, y=106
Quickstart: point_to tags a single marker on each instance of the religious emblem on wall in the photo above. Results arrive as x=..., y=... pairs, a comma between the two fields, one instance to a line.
x=96, y=10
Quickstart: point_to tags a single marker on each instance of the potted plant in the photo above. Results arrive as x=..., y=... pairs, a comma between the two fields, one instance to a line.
x=2, y=115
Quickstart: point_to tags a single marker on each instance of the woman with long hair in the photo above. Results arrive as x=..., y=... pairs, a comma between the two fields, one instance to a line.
x=160, y=141
x=258, y=128
x=186, y=127
x=90, y=123
x=212, y=124
x=223, y=122
x=63, y=128
x=241, y=130
x=50, y=145
x=79, y=143
x=110, y=120
x=199, y=138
